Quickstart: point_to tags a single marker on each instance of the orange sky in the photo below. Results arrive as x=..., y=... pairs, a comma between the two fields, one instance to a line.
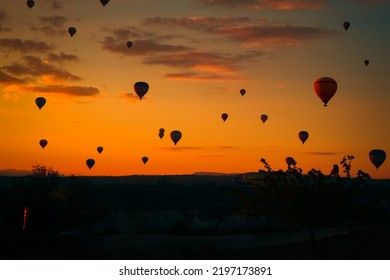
x=195, y=55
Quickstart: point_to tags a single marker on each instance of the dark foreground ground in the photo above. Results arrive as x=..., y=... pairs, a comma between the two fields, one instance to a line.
x=174, y=217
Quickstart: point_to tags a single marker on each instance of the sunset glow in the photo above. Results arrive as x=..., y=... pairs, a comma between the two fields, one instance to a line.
x=195, y=55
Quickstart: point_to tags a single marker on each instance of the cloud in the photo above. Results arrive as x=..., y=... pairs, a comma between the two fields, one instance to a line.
x=324, y=153
x=3, y=17
x=6, y=79
x=35, y=67
x=243, y=29
x=56, y=4
x=62, y=57
x=24, y=46
x=285, y=5
x=75, y=91
x=192, y=76
x=51, y=25
x=178, y=148
x=132, y=97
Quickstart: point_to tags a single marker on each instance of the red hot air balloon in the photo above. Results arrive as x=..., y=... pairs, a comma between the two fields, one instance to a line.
x=145, y=159
x=224, y=116
x=303, y=135
x=90, y=163
x=242, y=91
x=40, y=102
x=129, y=44
x=346, y=25
x=72, y=31
x=175, y=136
x=377, y=157
x=30, y=3
x=100, y=149
x=43, y=143
x=104, y=2
x=141, y=88
x=263, y=118
x=325, y=88
x=366, y=62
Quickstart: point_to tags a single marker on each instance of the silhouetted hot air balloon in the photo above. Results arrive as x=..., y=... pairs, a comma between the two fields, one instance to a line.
x=290, y=161
x=141, y=88
x=43, y=143
x=40, y=102
x=325, y=88
x=100, y=149
x=145, y=160
x=30, y=3
x=303, y=135
x=346, y=25
x=175, y=136
x=366, y=62
x=242, y=91
x=224, y=116
x=161, y=133
x=129, y=44
x=377, y=157
x=104, y=2
x=72, y=31
x=90, y=163
x=263, y=118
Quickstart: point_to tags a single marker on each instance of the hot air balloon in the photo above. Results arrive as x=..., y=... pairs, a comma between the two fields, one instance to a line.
x=290, y=161
x=224, y=116
x=377, y=157
x=90, y=163
x=100, y=149
x=40, y=102
x=161, y=133
x=30, y=3
x=104, y=2
x=141, y=88
x=366, y=62
x=325, y=88
x=303, y=135
x=263, y=118
x=145, y=160
x=43, y=143
x=175, y=136
x=242, y=91
x=346, y=25
x=72, y=31
x=129, y=44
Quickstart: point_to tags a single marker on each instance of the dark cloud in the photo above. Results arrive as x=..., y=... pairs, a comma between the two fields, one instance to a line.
x=62, y=57
x=3, y=17
x=56, y=4
x=178, y=148
x=132, y=97
x=77, y=91
x=265, y=4
x=192, y=76
x=25, y=46
x=55, y=21
x=6, y=79
x=35, y=67
x=324, y=153
x=51, y=25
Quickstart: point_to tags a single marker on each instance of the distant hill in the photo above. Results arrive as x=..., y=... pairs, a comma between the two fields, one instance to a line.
x=203, y=173
x=13, y=172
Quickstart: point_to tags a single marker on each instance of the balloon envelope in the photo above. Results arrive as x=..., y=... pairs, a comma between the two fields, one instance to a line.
x=377, y=157
x=325, y=89
x=100, y=149
x=72, y=31
x=145, y=160
x=366, y=62
x=141, y=88
x=40, y=102
x=129, y=44
x=346, y=25
x=104, y=2
x=175, y=136
x=43, y=143
x=264, y=118
x=90, y=163
x=303, y=135
x=30, y=3
x=242, y=91
x=224, y=116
